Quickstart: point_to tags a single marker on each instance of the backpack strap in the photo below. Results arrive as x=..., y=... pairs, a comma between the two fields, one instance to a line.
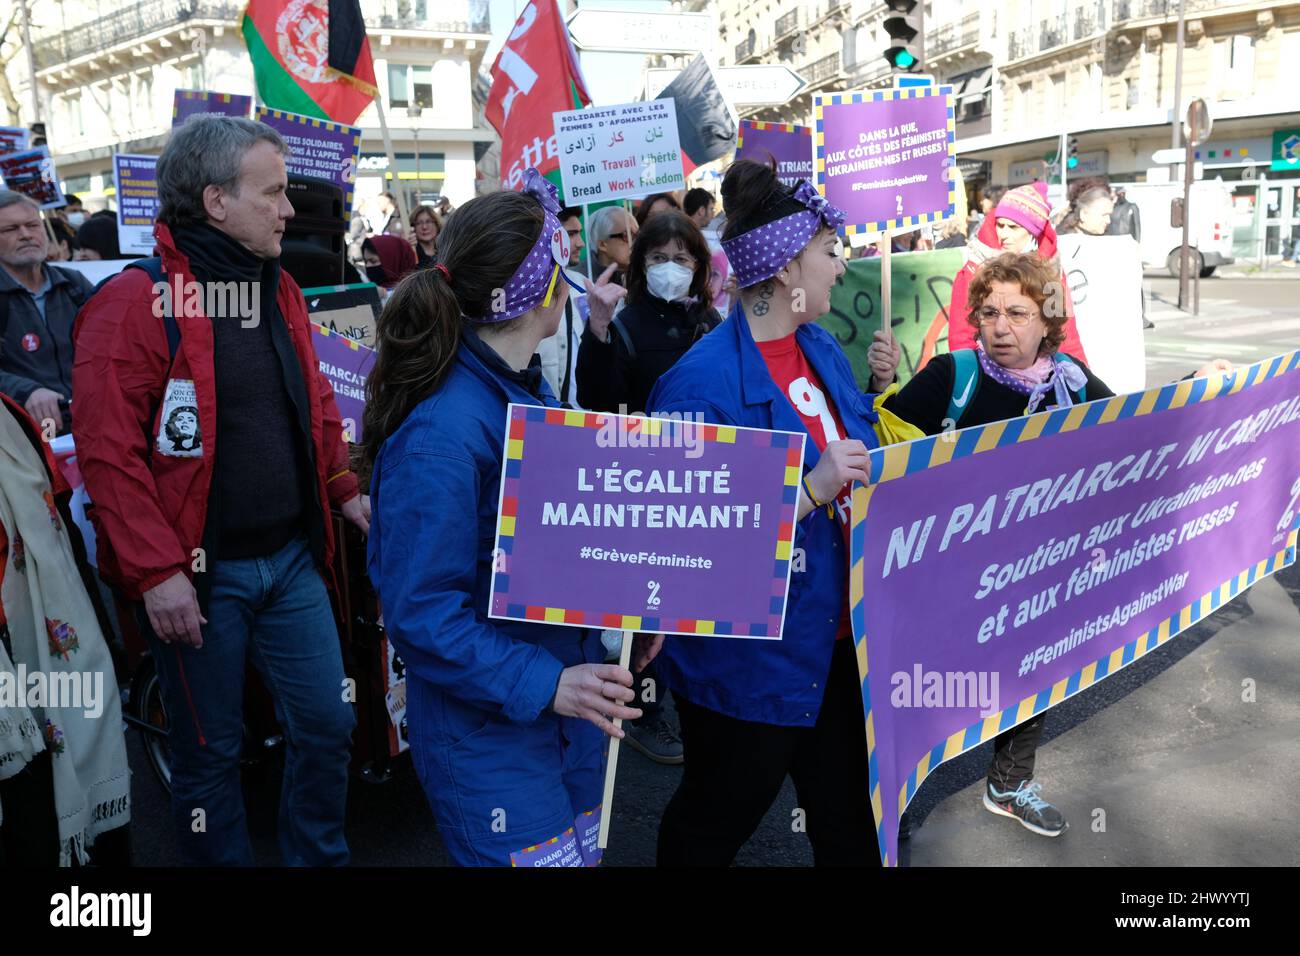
x=965, y=383
x=1080, y=394
x=617, y=325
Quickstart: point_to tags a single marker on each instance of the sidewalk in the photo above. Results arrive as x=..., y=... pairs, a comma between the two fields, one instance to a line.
x=1251, y=270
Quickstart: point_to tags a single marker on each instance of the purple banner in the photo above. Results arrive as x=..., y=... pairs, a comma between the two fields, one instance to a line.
x=884, y=156
x=346, y=363
x=187, y=103
x=645, y=524
x=999, y=570
x=136, y=180
x=790, y=146
x=319, y=148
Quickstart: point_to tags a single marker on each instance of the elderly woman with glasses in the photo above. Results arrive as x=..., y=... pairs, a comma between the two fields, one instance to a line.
x=1016, y=308
x=610, y=233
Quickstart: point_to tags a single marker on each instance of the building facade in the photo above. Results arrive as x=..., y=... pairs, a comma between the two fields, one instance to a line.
x=1025, y=73
x=106, y=73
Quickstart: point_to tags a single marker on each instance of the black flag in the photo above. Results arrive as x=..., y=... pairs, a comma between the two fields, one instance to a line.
x=704, y=123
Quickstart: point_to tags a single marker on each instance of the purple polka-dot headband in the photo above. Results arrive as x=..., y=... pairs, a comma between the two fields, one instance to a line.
x=528, y=286
x=761, y=253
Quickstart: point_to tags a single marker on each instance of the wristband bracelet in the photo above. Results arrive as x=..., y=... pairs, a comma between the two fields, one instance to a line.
x=813, y=498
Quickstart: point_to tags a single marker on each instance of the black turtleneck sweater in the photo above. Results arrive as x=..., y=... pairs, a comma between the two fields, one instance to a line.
x=615, y=378
x=260, y=481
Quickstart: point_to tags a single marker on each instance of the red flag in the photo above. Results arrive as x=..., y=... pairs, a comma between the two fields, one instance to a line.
x=535, y=74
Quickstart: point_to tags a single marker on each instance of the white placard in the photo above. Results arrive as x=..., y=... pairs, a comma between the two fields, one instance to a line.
x=619, y=152
x=1104, y=274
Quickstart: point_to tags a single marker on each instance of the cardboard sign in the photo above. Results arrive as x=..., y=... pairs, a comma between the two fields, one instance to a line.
x=619, y=152
x=349, y=310
x=13, y=139
x=884, y=156
x=32, y=173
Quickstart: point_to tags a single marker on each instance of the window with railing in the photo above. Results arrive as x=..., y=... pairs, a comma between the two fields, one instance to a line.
x=787, y=23
x=825, y=68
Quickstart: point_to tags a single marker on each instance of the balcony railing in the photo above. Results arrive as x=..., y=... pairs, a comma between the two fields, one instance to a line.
x=1053, y=32
x=152, y=16
x=745, y=49
x=1089, y=20
x=1021, y=44
x=950, y=36
x=788, y=23
x=1086, y=21
x=823, y=69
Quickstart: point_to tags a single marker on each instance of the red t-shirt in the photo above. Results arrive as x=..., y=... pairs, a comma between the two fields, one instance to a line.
x=798, y=381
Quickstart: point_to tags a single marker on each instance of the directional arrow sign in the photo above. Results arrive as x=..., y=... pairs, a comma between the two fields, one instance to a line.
x=626, y=32
x=1163, y=157
x=759, y=85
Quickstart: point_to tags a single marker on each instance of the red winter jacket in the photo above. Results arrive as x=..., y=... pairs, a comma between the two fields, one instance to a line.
x=149, y=509
x=985, y=246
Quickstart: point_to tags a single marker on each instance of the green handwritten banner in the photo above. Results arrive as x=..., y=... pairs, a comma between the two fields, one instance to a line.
x=922, y=288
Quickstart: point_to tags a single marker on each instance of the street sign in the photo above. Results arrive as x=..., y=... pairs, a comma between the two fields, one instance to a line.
x=1164, y=157
x=626, y=32
x=1204, y=122
x=761, y=85
x=904, y=80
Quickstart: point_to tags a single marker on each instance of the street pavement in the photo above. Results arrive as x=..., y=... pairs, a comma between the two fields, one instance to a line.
x=1162, y=763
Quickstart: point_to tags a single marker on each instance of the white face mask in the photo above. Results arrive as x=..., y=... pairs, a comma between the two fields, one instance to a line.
x=669, y=281
x=75, y=219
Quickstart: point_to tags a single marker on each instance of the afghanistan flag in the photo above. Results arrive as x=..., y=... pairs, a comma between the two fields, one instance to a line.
x=311, y=57
x=535, y=74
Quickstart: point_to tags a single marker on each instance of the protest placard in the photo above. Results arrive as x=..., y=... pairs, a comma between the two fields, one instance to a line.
x=653, y=524
x=136, y=180
x=318, y=148
x=187, y=103
x=350, y=310
x=346, y=363
x=999, y=570
x=789, y=145
x=922, y=286
x=1104, y=275
x=13, y=139
x=32, y=173
x=619, y=152
x=883, y=156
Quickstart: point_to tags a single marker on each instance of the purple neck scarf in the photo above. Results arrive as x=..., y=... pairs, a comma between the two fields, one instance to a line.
x=761, y=253
x=1063, y=381
x=527, y=287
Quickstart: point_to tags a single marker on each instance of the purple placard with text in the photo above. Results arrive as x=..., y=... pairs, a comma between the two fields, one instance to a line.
x=318, y=148
x=791, y=146
x=884, y=156
x=346, y=363
x=1007, y=567
x=649, y=524
x=187, y=103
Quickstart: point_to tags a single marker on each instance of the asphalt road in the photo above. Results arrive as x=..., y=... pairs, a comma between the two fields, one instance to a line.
x=1165, y=753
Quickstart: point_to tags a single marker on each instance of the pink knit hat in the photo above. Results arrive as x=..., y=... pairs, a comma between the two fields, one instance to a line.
x=1026, y=205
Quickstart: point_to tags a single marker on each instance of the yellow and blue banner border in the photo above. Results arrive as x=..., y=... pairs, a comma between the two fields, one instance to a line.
x=822, y=100
x=313, y=122
x=896, y=461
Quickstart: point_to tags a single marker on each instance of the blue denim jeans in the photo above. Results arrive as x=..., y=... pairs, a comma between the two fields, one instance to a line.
x=275, y=611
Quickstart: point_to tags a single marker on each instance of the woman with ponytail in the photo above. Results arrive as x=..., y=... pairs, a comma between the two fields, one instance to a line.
x=754, y=712
x=505, y=717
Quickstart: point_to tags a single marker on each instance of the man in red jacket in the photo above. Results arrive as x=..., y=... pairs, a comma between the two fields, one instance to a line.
x=212, y=458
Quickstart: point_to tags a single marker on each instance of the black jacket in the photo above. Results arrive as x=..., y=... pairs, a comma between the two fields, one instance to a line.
x=36, y=354
x=617, y=376
x=1125, y=220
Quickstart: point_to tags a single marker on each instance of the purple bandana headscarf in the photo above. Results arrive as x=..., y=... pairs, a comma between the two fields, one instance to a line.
x=527, y=287
x=763, y=252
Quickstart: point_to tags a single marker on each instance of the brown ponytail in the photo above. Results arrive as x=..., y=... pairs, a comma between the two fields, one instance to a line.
x=480, y=247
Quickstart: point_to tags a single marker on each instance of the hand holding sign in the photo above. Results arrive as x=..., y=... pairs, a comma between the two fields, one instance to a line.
x=883, y=357
x=593, y=692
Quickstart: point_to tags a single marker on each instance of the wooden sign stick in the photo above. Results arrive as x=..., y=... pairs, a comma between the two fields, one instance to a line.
x=607, y=801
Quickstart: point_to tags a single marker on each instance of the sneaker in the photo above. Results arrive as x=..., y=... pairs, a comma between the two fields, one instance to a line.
x=1025, y=805
x=656, y=739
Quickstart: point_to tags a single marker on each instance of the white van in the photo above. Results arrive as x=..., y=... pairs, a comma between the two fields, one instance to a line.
x=1209, y=234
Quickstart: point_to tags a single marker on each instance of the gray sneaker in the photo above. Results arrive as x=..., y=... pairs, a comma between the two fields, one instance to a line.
x=656, y=739
x=1024, y=804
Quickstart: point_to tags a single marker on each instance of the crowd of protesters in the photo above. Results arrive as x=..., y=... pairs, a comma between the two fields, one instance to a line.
x=504, y=717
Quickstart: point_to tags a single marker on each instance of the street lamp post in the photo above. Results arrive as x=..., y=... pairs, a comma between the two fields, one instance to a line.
x=413, y=114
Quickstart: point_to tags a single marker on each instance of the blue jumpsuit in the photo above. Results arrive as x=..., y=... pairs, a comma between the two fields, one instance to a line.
x=508, y=779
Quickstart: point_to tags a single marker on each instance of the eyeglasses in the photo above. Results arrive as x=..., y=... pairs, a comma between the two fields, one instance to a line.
x=625, y=235
x=684, y=259
x=1019, y=317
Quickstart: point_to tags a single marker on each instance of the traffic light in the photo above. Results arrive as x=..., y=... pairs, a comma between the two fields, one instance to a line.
x=1074, y=153
x=903, y=24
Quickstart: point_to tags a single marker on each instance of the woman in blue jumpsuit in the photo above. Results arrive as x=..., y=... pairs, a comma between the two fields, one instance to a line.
x=754, y=712
x=505, y=717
